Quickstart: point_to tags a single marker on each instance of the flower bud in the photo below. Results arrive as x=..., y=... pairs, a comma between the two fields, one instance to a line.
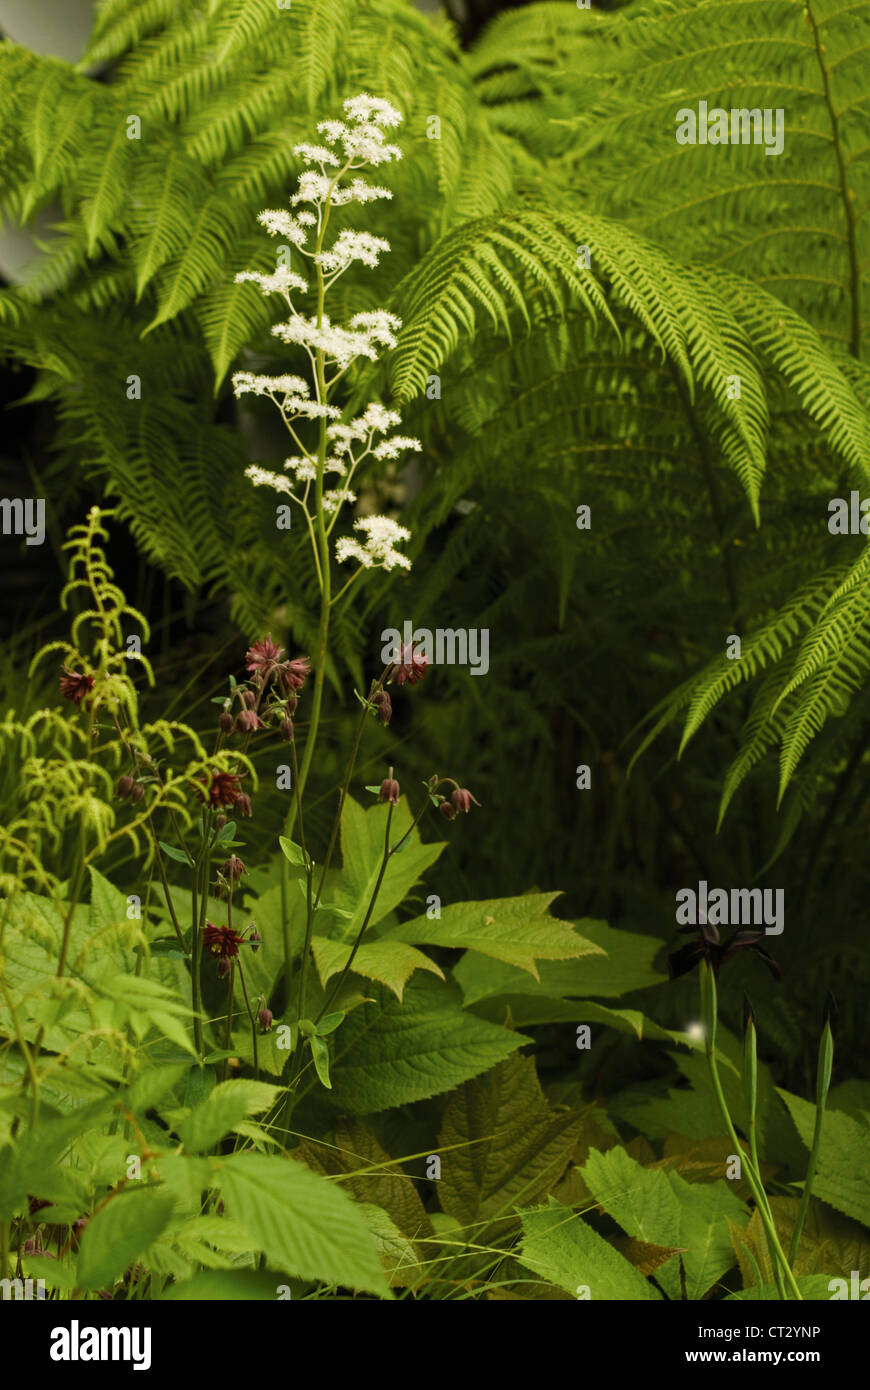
x=254, y=937
x=243, y=804
x=265, y=1017
x=287, y=730
x=389, y=790
x=249, y=698
x=462, y=799
x=137, y=791
x=290, y=704
x=225, y=722
x=125, y=787
x=220, y=821
x=247, y=721
x=447, y=810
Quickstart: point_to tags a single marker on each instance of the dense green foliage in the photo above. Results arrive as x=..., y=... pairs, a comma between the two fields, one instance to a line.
x=578, y=294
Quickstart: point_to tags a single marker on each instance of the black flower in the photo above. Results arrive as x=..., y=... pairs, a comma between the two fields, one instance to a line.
x=708, y=946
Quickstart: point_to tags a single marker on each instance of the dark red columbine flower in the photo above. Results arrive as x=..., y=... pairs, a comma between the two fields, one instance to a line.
x=265, y=1017
x=447, y=811
x=262, y=657
x=462, y=799
x=221, y=941
x=247, y=721
x=709, y=946
x=75, y=686
x=233, y=868
x=223, y=790
x=291, y=674
x=409, y=667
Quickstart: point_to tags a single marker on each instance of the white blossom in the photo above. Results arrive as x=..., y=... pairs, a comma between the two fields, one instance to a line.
x=357, y=191
x=261, y=477
x=340, y=345
x=315, y=154
x=280, y=281
x=391, y=448
x=252, y=384
x=366, y=108
x=313, y=188
x=304, y=469
x=352, y=246
x=365, y=145
x=381, y=534
x=335, y=497
x=279, y=222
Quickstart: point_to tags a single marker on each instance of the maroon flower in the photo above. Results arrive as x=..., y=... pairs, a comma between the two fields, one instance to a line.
x=254, y=937
x=233, y=868
x=389, y=790
x=247, y=721
x=75, y=686
x=265, y=1017
x=221, y=941
x=447, y=811
x=292, y=674
x=383, y=706
x=462, y=799
x=409, y=667
x=223, y=789
x=287, y=730
x=225, y=722
x=709, y=946
x=263, y=657
x=124, y=787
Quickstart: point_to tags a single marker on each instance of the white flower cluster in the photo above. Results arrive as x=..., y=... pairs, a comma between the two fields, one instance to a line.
x=382, y=534
x=366, y=333
x=352, y=246
x=346, y=146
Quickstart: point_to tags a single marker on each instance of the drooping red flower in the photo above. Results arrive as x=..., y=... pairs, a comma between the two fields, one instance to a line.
x=292, y=674
x=221, y=941
x=462, y=799
x=262, y=657
x=409, y=667
x=223, y=790
x=74, y=685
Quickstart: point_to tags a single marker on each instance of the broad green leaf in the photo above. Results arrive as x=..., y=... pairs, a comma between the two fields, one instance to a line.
x=304, y=1224
x=514, y=930
x=391, y=963
x=370, y=1175
x=625, y=965
x=843, y=1174
x=562, y=1248
x=398, y=1255
x=661, y=1208
x=119, y=1233
x=29, y=1165
x=222, y=1110
x=390, y=1053
x=503, y=1145
x=362, y=849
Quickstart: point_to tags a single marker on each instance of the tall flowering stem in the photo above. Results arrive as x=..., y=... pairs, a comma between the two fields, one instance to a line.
x=343, y=447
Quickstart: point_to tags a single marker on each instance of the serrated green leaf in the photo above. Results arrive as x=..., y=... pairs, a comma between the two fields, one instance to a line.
x=222, y=1110
x=391, y=1053
x=304, y=1224
x=391, y=963
x=562, y=1248
x=119, y=1233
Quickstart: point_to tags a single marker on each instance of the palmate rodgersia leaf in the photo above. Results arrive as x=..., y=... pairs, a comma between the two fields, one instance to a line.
x=562, y=1248
x=305, y=1225
x=518, y=931
x=390, y=1053
x=503, y=1145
